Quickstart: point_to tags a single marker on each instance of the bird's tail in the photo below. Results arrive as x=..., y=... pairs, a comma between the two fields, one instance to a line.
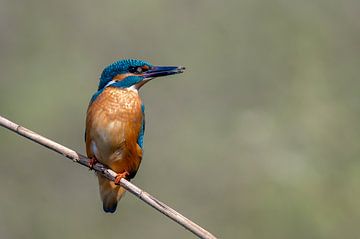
x=110, y=193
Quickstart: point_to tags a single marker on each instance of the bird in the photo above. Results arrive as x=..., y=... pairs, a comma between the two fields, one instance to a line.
x=115, y=123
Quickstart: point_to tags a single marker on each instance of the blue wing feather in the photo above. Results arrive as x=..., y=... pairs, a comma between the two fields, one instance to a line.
x=140, y=139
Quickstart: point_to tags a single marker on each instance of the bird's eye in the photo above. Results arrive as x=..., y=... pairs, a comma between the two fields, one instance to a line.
x=136, y=70
x=139, y=70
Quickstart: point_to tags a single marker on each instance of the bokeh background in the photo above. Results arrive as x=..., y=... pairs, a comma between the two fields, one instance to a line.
x=258, y=139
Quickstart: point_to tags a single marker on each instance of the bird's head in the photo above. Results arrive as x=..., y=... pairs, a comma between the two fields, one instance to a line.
x=131, y=73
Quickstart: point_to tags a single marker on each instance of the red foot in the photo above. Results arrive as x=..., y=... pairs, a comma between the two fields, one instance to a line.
x=92, y=162
x=119, y=176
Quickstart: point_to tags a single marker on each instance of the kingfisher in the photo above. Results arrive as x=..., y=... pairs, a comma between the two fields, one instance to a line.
x=115, y=123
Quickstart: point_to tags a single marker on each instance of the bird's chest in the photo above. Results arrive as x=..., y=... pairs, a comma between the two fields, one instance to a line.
x=114, y=118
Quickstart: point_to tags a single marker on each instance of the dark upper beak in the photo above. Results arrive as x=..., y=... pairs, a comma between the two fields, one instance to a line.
x=157, y=71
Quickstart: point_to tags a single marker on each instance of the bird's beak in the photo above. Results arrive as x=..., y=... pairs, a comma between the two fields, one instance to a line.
x=157, y=71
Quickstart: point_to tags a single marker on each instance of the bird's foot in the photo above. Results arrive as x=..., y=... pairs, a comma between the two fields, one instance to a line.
x=119, y=176
x=92, y=162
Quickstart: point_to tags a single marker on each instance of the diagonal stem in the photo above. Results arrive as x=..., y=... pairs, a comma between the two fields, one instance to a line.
x=109, y=174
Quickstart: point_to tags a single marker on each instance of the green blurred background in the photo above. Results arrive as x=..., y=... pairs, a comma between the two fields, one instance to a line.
x=258, y=139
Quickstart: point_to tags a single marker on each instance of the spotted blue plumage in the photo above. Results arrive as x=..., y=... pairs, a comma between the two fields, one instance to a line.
x=140, y=139
x=119, y=67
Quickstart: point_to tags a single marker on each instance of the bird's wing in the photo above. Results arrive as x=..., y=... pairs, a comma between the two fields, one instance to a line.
x=140, y=140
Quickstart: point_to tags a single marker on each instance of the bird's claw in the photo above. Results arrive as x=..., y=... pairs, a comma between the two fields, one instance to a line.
x=92, y=162
x=119, y=176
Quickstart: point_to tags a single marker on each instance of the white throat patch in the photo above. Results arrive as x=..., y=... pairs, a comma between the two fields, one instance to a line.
x=133, y=88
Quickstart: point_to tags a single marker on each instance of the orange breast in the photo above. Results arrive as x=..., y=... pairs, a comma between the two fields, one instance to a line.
x=113, y=125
